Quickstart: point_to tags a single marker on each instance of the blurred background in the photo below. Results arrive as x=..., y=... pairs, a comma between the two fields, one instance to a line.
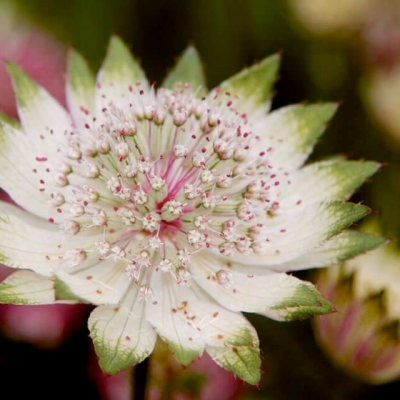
x=343, y=50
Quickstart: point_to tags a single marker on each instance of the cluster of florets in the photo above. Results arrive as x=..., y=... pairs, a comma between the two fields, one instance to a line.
x=164, y=175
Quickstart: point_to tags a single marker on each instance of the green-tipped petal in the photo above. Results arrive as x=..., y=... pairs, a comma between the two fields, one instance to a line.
x=27, y=287
x=294, y=234
x=119, y=64
x=187, y=70
x=42, y=117
x=291, y=132
x=80, y=88
x=118, y=76
x=181, y=337
x=241, y=356
x=9, y=121
x=304, y=303
x=340, y=248
x=251, y=89
x=326, y=180
x=121, y=335
x=254, y=292
x=64, y=293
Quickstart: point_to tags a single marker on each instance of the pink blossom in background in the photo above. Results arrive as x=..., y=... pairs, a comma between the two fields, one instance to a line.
x=362, y=336
x=43, y=58
x=168, y=378
x=115, y=387
x=38, y=53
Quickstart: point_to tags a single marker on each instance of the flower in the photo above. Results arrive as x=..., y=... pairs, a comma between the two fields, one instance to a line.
x=363, y=336
x=171, y=209
x=340, y=17
x=381, y=87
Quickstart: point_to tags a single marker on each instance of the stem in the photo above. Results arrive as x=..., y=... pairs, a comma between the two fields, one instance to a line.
x=140, y=379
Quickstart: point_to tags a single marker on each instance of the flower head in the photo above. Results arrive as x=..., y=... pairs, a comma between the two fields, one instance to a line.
x=171, y=209
x=363, y=337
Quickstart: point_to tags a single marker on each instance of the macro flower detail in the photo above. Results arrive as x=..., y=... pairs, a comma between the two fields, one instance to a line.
x=172, y=209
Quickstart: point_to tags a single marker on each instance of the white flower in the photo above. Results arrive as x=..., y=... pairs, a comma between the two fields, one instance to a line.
x=194, y=210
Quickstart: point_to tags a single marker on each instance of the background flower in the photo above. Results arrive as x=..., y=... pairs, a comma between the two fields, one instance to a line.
x=363, y=335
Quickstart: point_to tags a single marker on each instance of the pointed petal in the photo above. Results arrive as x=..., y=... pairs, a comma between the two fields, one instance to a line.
x=326, y=180
x=291, y=132
x=276, y=295
x=42, y=118
x=181, y=337
x=9, y=120
x=230, y=339
x=27, y=287
x=293, y=234
x=80, y=88
x=121, y=335
x=240, y=356
x=251, y=89
x=119, y=72
x=28, y=242
x=335, y=251
x=21, y=180
x=187, y=70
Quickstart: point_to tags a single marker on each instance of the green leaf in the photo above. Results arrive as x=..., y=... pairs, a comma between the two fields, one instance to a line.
x=27, y=287
x=187, y=70
x=240, y=356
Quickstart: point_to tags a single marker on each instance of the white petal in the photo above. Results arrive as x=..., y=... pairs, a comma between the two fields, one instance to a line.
x=276, y=295
x=180, y=335
x=27, y=287
x=251, y=89
x=80, y=89
x=230, y=339
x=94, y=281
x=118, y=75
x=121, y=335
x=215, y=324
x=188, y=69
x=28, y=242
x=326, y=180
x=42, y=118
x=22, y=179
x=293, y=234
x=335, y=251
x=290, y=133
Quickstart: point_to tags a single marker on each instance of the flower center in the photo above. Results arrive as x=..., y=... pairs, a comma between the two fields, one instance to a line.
x=160, y=176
